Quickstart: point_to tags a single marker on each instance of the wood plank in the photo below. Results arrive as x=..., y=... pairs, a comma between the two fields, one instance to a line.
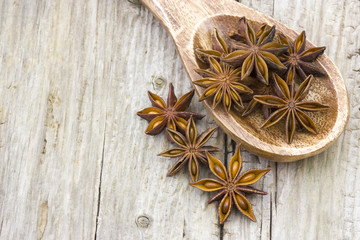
x=138, y=201
x=53, y=115
x=163, y=208
x=317, y=198
x=238, y=226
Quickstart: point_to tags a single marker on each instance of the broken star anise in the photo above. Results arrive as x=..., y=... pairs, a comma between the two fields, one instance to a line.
x=222, y=84
x=259, y=52
x=219, y=49
x=232, y=185
x=190, y=149
x=298, y=60
x=290, y=105
x=170, y=115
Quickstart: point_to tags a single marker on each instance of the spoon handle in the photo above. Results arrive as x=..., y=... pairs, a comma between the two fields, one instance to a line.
x=182, y=17
x=178, y=16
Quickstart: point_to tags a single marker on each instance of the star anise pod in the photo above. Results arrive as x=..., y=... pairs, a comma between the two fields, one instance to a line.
x=259, y=89
x=259, y=52
x=238, y=34
x=190, y=149
x=231, y=185
x=290, y=105
x=222, y=84
x=219, y=49
x=170, y=115
x=298, y=60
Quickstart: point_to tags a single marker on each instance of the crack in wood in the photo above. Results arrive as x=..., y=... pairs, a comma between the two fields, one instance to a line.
x=273, y=200
x=99, y=189
x=276, y=187
x=270, y=225
x=1, y=226
x=226, y=152
x=184, y=229
x=261, y=222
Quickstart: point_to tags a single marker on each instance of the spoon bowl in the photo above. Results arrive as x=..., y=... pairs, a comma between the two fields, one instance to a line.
x=191, y=25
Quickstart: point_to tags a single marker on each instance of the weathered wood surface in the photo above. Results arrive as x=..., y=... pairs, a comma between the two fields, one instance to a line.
x=75, y=163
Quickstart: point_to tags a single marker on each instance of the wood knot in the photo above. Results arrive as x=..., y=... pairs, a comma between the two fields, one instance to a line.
x=135, y=2
x=143, y=221
x=158, y=82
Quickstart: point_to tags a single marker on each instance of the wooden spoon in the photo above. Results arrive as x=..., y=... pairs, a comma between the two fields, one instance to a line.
x=191, y=23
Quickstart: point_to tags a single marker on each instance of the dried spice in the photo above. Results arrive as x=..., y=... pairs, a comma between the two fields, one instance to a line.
x=231, y=185
x=190, y=149
x=260, y=89
x=218, y=51
x=258, y=53
x=290, y=106
x=170, y=115
x=239, y=33
x=254, y=52
x=298, y=60
x=222, y=84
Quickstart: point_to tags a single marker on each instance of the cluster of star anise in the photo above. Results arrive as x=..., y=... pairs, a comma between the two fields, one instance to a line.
x=264, y=68
x=181, y=130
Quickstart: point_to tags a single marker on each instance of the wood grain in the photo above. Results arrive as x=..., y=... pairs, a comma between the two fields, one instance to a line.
x=75, y=163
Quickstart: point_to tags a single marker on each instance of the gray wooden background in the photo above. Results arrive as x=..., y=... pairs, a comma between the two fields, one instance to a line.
x=75, y=163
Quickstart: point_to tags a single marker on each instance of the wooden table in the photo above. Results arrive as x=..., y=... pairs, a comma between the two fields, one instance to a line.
x=75, y=162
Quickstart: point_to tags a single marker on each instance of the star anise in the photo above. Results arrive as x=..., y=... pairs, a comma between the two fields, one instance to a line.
x=290, y=104
x=222, y=84
x=259, y=52
x=170, y=115
x=219, y=49
x=298, y=60
x=238, y=34
x=190, y=149
x=259, y=89
x=232, y=185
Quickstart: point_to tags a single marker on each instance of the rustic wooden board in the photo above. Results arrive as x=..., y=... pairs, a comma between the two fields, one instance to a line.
x=75, y=163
